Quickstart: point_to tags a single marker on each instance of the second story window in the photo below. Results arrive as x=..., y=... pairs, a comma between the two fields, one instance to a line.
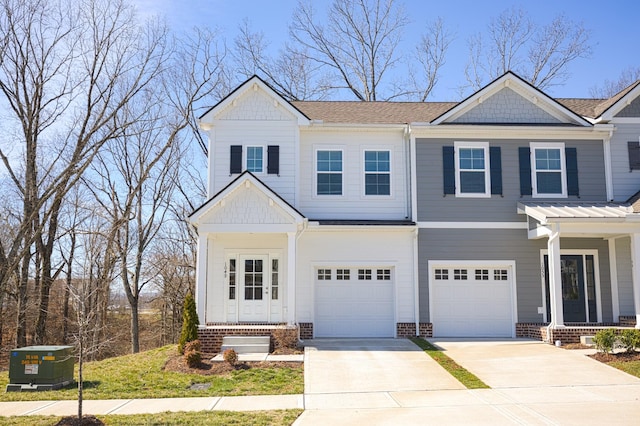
x=472, y=170
x=329, y=172
x=548, y=171
x=377, y=173
x=255, y=159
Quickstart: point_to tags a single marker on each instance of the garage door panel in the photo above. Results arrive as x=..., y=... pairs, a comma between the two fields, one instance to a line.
x=478, y=306
x=354, y=307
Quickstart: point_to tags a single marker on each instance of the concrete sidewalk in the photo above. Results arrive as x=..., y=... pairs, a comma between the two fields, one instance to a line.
x=160, y=405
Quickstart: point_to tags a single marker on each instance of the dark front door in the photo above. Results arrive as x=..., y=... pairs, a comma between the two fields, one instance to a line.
x=573, y=294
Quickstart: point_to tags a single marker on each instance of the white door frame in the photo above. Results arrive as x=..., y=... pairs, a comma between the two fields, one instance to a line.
x=596, y=273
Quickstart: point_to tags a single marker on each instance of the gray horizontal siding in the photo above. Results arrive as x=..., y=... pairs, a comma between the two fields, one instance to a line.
x=631, y=110
x=508, y=245
x=433, y=206
x=623, y=269
x=625, y=182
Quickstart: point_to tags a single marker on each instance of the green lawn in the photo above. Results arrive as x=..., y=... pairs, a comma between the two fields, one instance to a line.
x=258, y=418
x=465, y=377
x=141, y=376
x=631, y=367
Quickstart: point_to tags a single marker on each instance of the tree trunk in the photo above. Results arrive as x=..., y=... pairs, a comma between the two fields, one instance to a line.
x=21, y=306
x=135, y=327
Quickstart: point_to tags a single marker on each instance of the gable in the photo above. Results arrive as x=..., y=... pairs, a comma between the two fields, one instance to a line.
x=246, y=205
x=507, y=106
x=255, y=105
x=631, y=110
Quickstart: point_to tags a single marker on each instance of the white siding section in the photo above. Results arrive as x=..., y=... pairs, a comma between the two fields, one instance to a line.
x=263, y=133
x=352, y=249
x=255, y=105
x=625, y=182
x=353, y=204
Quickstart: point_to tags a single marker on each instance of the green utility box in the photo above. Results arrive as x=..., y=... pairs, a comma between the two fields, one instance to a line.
x=36, y=368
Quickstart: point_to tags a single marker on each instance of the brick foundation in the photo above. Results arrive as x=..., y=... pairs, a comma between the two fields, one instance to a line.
x=426, y=329
x=405, y=329
x=569, y=334
x=306, y=330
x=211, y=335
x=627, y=321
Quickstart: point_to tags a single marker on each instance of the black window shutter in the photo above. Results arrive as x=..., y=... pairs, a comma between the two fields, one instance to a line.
x=571, y=157
x=448, y=170
x=235, y=165
x=273, y=159
x=496, y=170
x=634, y=155
x=524, y=156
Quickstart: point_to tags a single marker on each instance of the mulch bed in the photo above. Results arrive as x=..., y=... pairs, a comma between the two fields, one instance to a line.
x=74, y=421
x=209, y=368
x=616, y=357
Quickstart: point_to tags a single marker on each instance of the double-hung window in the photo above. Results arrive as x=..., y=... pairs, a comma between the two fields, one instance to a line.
x=472, y=169
x=548, y=170
x=255, y=159
x=377, y=172
x=329, y=172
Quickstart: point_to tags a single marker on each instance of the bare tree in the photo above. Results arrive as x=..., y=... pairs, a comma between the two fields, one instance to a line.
x=539, y=54
x=66, y=74
x=291, y=72
x=430, y=54
x=610, y=88
x=357, y=46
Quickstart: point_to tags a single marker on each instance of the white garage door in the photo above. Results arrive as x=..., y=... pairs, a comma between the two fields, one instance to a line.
x=472, y=301
x=354, y=302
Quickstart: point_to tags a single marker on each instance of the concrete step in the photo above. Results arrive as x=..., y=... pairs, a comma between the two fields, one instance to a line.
x=246, y=344
x=242, y=340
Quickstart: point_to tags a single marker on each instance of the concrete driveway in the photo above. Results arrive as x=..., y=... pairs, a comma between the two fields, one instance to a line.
x=348, y=382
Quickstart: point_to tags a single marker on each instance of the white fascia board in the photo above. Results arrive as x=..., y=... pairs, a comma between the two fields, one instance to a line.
x=533, y=95
x=243, y=228
x=481, y=131
x=472, y=225
x=621, y=104
x=316, y=227
x=360, y=127
x=254, y=83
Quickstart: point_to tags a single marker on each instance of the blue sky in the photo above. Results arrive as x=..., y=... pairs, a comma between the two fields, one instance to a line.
x=614, y=26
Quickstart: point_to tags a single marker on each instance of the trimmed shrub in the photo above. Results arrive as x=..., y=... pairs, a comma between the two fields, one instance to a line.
x=193, y=346
x=190, y=322
x=230, y=356
x=630, y=339
x=605, y=340
x=285, y=337
x=192, y=358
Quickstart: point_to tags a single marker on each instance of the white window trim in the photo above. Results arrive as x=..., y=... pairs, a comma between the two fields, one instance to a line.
x=315, y=172
x=563, y=169
x=487, y=169
x=246, y=159
x=364, y=173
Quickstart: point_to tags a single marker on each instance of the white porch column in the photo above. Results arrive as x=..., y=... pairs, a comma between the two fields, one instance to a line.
x=291, y=277
x=635, y=271
x=201, y=278
x=555, y=278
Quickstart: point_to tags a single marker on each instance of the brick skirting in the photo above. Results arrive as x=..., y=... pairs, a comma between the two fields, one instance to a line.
x=627, y=321
x=211, y=335
x=569, y=334
x=306, y=330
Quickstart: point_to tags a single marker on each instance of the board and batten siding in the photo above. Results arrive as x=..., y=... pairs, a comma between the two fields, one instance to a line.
x=432, y=205
x=625, y=181
x=255, y=133
x=505, y=245
x=625, y=278
x=352, y=249
x=353, y=203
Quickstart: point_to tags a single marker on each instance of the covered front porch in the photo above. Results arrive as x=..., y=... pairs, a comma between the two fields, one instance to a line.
x=573, y=304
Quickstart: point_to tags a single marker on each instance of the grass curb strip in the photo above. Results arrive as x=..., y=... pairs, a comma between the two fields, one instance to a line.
x=469, y=380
